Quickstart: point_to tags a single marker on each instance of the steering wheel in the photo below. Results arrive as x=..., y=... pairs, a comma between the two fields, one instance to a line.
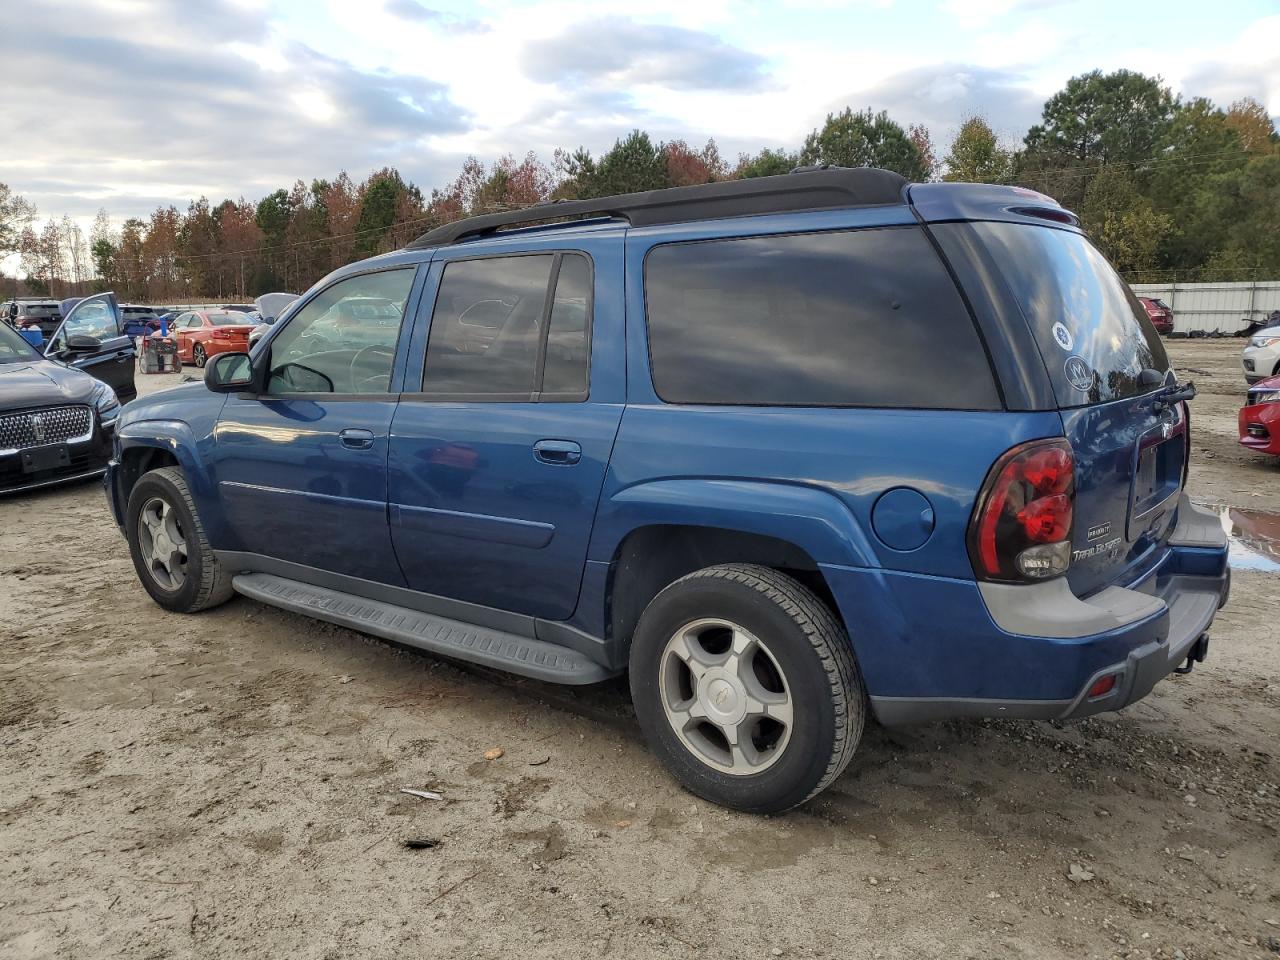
x=379, y=381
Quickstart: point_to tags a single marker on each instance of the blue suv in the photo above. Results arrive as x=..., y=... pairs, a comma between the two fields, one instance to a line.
x=794, y=452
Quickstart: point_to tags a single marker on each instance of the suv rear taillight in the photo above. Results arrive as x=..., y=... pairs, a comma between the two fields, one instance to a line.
x=1021, y=527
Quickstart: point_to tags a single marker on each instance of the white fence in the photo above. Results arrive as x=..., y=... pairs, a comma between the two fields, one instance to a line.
x=1214, y=306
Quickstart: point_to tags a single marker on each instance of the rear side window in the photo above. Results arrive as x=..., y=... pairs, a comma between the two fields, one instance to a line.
x=496, y=334
x=861, y=318
x=1094, y=334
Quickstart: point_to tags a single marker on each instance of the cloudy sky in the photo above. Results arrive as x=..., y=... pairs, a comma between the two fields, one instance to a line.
x=132, y=103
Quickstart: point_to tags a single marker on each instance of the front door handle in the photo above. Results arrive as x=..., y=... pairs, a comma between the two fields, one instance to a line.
x=561, y=453
x=355, y=439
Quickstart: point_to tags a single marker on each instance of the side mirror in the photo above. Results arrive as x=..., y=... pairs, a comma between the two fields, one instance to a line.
x=79, y=343
x=228, y=373
x=1151, y=380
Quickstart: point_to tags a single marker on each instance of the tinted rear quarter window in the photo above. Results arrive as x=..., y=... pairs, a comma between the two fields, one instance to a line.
x=866, y=318
x=1094, y=334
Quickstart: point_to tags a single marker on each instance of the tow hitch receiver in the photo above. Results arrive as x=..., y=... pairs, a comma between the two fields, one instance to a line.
x=1199, y=650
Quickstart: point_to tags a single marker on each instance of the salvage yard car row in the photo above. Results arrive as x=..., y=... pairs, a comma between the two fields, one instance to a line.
x=63, y=379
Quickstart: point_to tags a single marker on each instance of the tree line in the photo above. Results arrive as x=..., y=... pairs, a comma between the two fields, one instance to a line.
x=1167, y=187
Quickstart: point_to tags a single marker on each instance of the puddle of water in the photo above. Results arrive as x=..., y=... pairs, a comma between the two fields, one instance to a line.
x=1254, y=537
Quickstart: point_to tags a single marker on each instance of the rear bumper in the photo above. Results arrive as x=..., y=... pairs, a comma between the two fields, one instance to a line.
x=214, y=347
x=945, y=649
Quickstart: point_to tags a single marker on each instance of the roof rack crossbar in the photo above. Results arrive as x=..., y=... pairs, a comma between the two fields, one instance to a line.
x=822, y=188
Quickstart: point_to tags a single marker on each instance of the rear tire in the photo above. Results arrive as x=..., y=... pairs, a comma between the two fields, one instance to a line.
x=170, y=552
x=198, y=356
x=746, y=688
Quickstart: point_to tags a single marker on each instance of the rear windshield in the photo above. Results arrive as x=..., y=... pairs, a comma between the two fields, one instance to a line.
x=1094, y=334
x=37, y=310
x=228, y=319
x=850, y=318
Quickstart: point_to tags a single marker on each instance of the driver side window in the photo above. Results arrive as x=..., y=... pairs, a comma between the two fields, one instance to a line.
x=95, y=320
x=344, y=339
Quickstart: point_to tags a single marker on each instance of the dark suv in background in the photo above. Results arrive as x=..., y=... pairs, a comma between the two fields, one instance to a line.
x=45, y=314
x=793, y=451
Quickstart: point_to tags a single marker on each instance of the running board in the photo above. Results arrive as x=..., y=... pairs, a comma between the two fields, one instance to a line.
x=451, y=638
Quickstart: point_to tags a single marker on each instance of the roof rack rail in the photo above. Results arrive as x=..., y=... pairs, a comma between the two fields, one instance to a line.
x=805, y=188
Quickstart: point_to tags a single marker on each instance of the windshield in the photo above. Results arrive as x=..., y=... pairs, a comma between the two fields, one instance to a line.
x=13, y=346
x=1094, y=334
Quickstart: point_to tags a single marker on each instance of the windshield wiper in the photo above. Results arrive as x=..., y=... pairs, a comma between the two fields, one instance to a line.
x=1176, y=395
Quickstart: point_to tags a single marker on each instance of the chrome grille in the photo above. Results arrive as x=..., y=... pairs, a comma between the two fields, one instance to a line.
x=34, y=428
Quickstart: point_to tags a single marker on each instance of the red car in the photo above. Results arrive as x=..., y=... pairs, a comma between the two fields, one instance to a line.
x=1160, y=314
x=203, y=333
x=1260, y=417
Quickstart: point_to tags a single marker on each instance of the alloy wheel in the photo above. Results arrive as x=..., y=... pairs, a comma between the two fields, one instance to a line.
x=725, y=696
x=163, y=543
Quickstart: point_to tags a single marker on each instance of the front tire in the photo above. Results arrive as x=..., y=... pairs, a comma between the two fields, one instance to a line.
x=746, y=688
x=198, y=356
x=166, y=540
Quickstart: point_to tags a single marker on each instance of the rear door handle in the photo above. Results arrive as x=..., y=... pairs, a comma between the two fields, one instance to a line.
x=561, y=453
x=355, y=439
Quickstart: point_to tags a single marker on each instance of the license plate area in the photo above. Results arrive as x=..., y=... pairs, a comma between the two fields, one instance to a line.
x=49, y=457
x=1157, y=475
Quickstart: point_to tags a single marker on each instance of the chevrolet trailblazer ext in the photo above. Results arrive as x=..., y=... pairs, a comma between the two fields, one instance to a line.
x=793, y=451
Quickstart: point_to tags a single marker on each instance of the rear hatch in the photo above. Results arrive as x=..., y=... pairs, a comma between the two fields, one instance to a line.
x=1112, y=379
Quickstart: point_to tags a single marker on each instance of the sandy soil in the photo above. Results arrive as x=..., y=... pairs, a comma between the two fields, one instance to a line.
x=227, y=785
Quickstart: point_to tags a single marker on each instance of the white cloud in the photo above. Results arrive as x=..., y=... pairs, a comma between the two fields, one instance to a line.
x=142, y=102
x=1249, y=66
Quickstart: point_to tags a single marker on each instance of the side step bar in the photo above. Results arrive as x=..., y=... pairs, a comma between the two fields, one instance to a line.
x=450, y=638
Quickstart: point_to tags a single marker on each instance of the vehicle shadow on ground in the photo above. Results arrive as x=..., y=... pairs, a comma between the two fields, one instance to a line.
x=1084, y=788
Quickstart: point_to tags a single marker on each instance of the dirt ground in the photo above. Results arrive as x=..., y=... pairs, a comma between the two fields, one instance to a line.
x=226, y=785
